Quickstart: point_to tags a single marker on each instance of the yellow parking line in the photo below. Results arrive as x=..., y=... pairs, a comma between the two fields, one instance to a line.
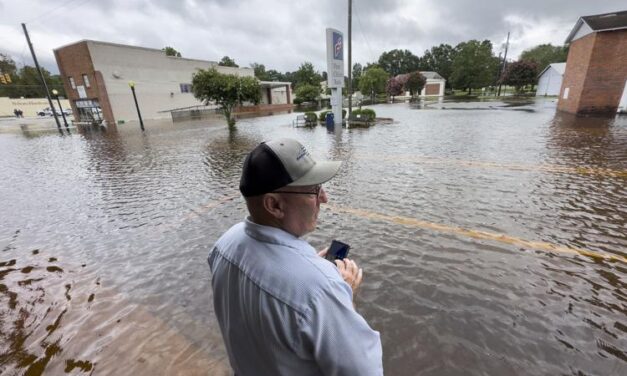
x=476, y=234
x=506, y=166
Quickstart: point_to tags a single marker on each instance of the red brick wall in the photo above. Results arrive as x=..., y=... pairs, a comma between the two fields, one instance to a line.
x=607, y=73
x=75, y=61
x=576, y=71
x=596, y=71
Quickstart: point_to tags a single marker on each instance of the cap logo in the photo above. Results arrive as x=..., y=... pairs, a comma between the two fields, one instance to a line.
x=302, y=153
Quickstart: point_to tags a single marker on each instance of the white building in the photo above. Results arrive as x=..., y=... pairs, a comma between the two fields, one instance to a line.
x=434, y=85
x=550, y=79
x=97, y=74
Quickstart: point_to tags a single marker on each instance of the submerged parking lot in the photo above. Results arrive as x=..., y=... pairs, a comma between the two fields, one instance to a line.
x=492, y=236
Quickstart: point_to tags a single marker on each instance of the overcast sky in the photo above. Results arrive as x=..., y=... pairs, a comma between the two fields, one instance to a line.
x=283, y=34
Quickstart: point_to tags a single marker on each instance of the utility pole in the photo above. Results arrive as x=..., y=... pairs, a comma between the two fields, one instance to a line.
x=350, y=63
x=498, y=94
x=43, y=80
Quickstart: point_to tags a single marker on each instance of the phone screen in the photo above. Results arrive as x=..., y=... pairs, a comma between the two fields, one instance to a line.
x=337, y=251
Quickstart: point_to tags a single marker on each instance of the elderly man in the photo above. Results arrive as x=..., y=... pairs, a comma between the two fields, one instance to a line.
x=282, y=308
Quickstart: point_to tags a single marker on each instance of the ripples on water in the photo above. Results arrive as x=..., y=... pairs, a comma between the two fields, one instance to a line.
x=104, y=238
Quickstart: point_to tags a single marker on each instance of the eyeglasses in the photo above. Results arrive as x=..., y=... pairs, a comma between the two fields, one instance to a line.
x=315, y=192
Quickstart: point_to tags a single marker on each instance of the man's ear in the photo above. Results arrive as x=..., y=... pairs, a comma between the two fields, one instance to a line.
x=274, y=205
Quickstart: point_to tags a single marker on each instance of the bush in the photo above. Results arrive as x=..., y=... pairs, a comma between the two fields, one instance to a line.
x=369, y=114
x=365, y=114
x=311, y=118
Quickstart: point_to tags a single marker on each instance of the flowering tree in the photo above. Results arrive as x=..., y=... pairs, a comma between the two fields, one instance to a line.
x=415, y=83
x=519, y=74
x=394, y=87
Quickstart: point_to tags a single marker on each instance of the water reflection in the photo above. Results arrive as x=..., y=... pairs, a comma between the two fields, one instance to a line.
x=124, y=220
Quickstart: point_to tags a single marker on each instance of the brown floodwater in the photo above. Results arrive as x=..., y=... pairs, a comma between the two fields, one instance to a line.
x=493, y=237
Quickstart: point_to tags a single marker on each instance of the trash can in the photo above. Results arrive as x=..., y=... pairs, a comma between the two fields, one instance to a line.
x=329, y=120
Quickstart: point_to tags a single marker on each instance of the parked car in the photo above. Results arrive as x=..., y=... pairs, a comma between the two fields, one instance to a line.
x=48, y=112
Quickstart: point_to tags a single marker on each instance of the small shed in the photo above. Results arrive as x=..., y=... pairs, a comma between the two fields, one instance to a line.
x=550, y=80
x=434, y=85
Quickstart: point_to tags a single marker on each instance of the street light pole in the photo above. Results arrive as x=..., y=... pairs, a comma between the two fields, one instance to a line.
x=139, y=114
x=56, y=94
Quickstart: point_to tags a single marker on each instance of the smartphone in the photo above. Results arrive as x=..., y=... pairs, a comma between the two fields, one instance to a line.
x=337, y=251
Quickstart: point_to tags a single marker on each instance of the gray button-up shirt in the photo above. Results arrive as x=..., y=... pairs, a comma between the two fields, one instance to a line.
x=283, y=310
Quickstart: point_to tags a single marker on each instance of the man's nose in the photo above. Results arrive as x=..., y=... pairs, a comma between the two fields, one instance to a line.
x=322, y=196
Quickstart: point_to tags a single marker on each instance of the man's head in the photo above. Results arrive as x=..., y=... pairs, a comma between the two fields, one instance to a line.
x=282, y=185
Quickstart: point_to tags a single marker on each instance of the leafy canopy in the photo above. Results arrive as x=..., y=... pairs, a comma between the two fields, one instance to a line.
x=439, y=59
x=373, y=80
x=474, y=66
x=397, y=62
x=520, y=73
x=545, y=54
x=226, y=90
x=307, y=92
x=228, y=62
x=170, y=51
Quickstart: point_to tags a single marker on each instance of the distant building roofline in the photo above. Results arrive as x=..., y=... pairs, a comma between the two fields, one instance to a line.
x=137, y=47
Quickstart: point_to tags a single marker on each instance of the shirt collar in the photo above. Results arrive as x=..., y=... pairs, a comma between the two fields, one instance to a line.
x=275, y=235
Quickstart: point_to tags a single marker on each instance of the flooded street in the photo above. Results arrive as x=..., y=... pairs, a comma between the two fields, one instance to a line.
x=493, y=238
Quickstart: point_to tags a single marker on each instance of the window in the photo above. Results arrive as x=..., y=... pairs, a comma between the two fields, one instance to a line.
x=186, y=88
x=86, y=80
x=72, y=83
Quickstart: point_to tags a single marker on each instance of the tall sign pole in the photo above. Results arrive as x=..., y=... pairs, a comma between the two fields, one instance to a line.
x=350, y=64
x=43, y=80
x=335, y=73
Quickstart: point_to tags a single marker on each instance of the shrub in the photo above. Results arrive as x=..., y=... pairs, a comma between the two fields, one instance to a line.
x=369, y=114
x=311, y=118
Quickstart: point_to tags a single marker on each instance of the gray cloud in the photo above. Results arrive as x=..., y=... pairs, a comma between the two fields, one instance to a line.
x=283, y=34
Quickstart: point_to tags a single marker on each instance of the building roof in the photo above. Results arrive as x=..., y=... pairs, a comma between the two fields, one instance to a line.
x=431, y=75
x=600, y=22
x=559, y=68
x=273, y=84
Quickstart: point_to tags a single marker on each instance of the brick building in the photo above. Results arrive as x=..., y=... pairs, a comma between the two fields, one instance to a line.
x=596, y=69
x=96, y=77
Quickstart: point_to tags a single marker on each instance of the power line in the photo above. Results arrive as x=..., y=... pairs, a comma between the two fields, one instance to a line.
x=361, y=29
x=48, y=12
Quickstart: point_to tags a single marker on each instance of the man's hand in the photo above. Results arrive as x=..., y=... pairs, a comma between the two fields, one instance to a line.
x=323, y=252
x=350, y=273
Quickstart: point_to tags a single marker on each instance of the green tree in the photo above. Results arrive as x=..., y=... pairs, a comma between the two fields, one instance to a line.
x=226, y=90
x=274, y=75
x=373, y=81
x=170, y=51
x=228, y=62
x=306, y=74
x=356, y=75
x=307, y=93
x=397, y=62
x=260, y=71
x=520, y=74
x=439, y=59
x=474, y=66
x=545, y=54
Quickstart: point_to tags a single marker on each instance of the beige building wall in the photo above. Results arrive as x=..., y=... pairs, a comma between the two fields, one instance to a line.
x=157, y=78
x=30, y=106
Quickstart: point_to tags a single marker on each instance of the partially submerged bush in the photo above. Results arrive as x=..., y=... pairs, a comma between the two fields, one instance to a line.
x=311, y=118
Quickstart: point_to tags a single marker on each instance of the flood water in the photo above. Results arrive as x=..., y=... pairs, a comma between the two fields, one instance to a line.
x=493, y=239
